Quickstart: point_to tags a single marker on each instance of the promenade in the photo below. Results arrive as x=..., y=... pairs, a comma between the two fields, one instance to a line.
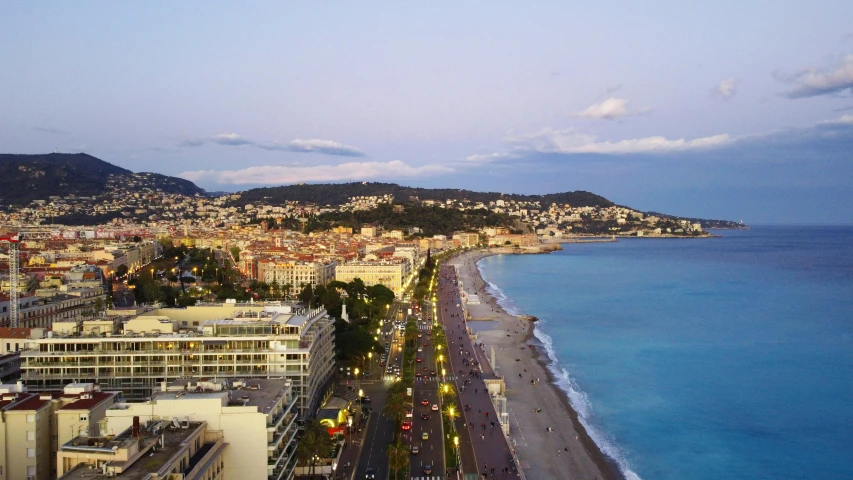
x=483, y=447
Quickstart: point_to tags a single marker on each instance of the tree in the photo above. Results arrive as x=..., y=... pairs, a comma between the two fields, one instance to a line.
x=398, y=458
x=121, y=270
x=396, y=406
x=235, y=252
x=315, y=443
x=306, y=296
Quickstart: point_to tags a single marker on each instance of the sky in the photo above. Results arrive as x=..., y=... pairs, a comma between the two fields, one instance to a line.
x=731, y=110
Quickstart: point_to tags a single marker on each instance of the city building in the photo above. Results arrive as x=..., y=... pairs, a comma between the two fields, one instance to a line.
x=296, y=273
x=160, y=449
x=257, y=419
x=234, y=341
x=393, y=273
x=33, y=425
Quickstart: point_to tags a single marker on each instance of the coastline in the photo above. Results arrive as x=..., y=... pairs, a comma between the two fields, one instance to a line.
x=535, y=402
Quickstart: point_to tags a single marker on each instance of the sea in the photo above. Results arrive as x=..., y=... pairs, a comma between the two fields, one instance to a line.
x=716, y=358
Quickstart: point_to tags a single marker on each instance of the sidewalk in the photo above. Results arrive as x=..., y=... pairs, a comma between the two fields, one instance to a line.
x=480, y=430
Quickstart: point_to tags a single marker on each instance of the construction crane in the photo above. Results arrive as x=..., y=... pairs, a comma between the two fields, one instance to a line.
x=14, y=241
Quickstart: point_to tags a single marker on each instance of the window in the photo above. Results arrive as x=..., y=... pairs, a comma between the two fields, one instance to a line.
x=31, y=470
x=31, y=436
x=84, y=417
x=31, y=418
x=31, y=453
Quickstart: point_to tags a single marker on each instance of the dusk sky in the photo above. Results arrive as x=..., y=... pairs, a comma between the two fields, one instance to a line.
x=732, y=110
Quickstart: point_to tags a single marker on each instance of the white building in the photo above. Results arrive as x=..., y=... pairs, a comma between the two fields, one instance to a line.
x=244, y=342
x=257, y=419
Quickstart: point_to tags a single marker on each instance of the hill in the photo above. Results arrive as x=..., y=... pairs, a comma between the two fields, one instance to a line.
x=24, y=178
x=340, y=193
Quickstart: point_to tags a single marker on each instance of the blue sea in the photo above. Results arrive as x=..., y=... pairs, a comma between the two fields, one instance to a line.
x=721, y=358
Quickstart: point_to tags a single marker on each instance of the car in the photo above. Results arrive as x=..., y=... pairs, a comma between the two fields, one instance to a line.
x=370, y=473
x=415, y=449
x=425, y=436
x=425, y=402
x=434, y=407
x=365, y=399
x=418, y=376
x=407, y=425
x=427, y=469
x=420, y=336
x=426, y=344
x=432, y=372
x=425, y=416
x=426, y=368
x=419, y=360
x=420, y=349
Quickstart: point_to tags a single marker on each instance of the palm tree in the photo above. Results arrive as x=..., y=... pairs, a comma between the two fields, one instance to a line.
x=396, y=406
x=315, y=443
x=398, y=457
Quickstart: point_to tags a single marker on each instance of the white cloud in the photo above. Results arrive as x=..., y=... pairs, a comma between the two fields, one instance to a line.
x=490, y=157
x=570, y=141
x=842, y=120
x=610, y=109
x=727, y=88
x=280, y=175
x=813, y=82
x=324, y=146
x=327, y=147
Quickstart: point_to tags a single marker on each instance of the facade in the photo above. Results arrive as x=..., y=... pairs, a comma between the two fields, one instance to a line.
x=296, y=273
x=33, y=425
x=467, y=239
x=257, y=419
x=135, y=356
x=161, y=449
x=393, y=273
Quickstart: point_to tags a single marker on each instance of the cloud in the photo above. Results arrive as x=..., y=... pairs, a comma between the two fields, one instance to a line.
x=327, y=147
x=490, y=157
x=324, y=146
x=813, y=82
x=727, y=88
x=842, y=120
x=610, y=109
x=569, y=141
x=279, y=175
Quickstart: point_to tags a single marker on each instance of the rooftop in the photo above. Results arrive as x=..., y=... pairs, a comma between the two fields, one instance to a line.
x=139, y=466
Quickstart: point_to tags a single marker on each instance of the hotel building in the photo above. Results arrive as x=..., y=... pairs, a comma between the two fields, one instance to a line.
x=236, y=341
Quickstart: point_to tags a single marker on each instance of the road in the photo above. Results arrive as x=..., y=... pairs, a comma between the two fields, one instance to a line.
x=425, y=397
x=483, y=447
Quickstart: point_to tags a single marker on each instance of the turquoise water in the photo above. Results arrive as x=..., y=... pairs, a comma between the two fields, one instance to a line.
x=703, y=358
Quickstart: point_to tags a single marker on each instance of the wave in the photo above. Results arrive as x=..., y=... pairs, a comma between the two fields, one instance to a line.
x=564, y=381
x=580, y=402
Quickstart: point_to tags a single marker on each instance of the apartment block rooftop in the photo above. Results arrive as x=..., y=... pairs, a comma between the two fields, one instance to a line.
x=139, y=452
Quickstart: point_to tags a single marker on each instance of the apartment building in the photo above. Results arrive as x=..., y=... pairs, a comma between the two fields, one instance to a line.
x=467, y=239
x=393, y=273
x=41, y=311
x=257, y=419
x=33, y=425
x=223, y=341
x=296, y=273
x=162, y=449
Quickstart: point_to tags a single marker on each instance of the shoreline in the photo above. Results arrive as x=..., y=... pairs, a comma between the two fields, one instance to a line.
x=534, y=406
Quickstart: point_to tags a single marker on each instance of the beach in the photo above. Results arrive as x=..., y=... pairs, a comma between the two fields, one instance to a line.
x=545, y=431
